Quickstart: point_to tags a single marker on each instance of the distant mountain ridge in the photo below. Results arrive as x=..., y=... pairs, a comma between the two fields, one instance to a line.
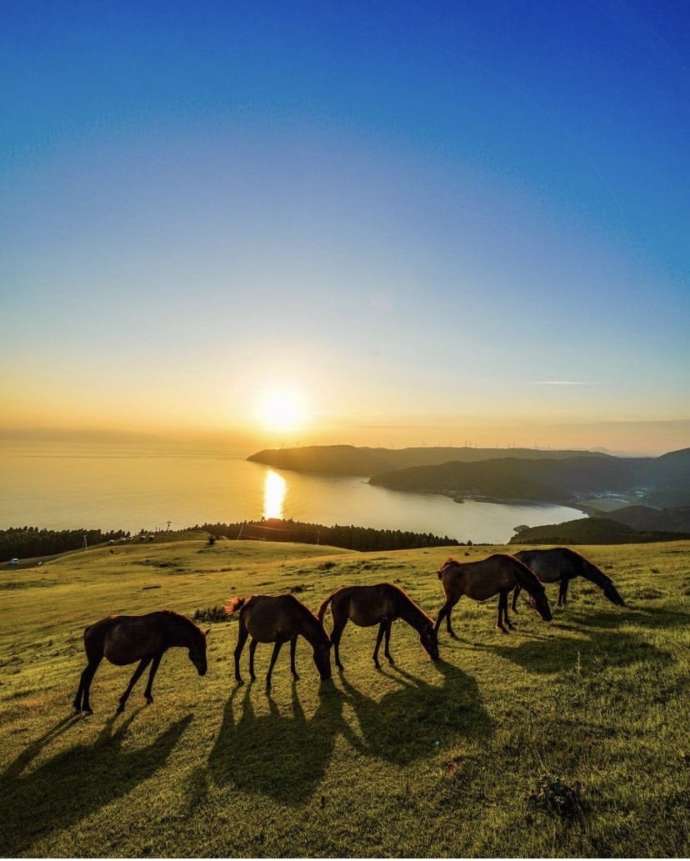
x=356, y=460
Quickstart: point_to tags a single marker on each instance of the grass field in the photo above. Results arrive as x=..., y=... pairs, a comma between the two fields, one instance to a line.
x=421, y=760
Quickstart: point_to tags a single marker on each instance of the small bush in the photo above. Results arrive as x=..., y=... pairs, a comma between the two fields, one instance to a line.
x=556, y=797
x=210, y=614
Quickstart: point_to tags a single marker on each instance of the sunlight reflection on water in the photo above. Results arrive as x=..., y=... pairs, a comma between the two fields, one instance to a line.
x=275, y=488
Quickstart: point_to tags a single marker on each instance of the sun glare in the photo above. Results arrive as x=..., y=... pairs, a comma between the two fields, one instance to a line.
x=282, y=411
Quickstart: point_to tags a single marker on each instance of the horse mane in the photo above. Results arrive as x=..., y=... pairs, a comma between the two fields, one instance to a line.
x=449, y=563
x=182, y=621
x=412, y=605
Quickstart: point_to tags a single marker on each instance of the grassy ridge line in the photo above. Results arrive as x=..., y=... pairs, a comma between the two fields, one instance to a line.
x=431, y=760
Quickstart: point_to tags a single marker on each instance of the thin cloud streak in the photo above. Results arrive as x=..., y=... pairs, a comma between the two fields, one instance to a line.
x=563, y=383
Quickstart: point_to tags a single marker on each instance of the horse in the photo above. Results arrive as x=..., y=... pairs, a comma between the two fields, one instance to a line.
x=377, y=605
x=500, y=574
x=561, y=565
x=126, y=639
x=277, y=619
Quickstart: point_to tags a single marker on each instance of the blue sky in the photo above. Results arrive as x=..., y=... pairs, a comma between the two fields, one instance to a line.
x=416, y=214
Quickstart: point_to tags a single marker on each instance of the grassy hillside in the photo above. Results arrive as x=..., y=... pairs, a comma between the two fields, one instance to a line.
x=421, y=760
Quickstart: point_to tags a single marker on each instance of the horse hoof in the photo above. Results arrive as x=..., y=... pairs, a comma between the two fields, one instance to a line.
x=87, y=712
x=119, y=710
x=149, y=701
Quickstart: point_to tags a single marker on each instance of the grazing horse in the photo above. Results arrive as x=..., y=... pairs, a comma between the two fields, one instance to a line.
x=377, y=605
x=500, y=574
x=561, y=565
x=276, y=620
x=126, y=639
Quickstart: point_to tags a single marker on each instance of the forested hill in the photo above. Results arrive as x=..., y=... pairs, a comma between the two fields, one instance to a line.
x=506, y=478
x=353, y=460
x=591, y=530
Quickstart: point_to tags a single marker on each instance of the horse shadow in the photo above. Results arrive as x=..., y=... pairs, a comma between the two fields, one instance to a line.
x=283, y=755
x=644, y=617
x=418, y=718
x=75, y=782
x=601, y=642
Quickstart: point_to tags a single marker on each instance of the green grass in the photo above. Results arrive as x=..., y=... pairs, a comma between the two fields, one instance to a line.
x=421, y=760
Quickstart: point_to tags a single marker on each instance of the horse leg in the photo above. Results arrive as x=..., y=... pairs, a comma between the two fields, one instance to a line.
x=566, y=583
x=274, y=657
x=502, y=599
x=516, y=592
x=442, y=613
x=252, y=650
x=449, y=626
x=85, y=686
x=148, y=693
x=338, y=628
x=242, y=635
x=379, y=637
x=293, y=651
x=387, y=644
x=561, y=593
x=143, y=663
x=505, y=615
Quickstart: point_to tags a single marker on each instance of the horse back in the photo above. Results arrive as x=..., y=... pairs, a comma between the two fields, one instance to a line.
x=552, y=564
x=273, y=617
x=125, y=639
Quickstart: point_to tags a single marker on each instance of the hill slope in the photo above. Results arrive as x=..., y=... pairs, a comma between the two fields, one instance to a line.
x=424, y=760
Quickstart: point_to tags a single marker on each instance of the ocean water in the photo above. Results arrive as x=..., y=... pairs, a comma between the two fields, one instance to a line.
x=67, y=485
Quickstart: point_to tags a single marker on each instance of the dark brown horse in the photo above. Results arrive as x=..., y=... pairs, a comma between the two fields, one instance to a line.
x=498, y=574
x=126, y=639
x=561, y=565
x=377, y=605
x=270, y=619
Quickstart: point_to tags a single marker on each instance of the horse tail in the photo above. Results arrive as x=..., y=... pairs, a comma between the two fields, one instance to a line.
x=234, y=604
x=324, y=607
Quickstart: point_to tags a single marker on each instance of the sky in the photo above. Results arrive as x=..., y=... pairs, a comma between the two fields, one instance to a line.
x=402, y=223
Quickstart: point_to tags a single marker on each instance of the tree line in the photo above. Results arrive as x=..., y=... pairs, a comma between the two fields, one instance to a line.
x=350, y=537
x=25, y=542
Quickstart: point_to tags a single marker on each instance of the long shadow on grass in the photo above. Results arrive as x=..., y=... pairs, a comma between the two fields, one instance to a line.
x=418, y=718
x=606, y=645
x=643, y=617
x=75, y=782
x=279, y=754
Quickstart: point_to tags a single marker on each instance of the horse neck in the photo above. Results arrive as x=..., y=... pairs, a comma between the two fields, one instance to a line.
x=411, y=613
x=180, y=631
x=313, y=630
x=590, y=572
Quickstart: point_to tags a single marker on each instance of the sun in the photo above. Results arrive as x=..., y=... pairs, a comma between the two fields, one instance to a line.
x=282, y=410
